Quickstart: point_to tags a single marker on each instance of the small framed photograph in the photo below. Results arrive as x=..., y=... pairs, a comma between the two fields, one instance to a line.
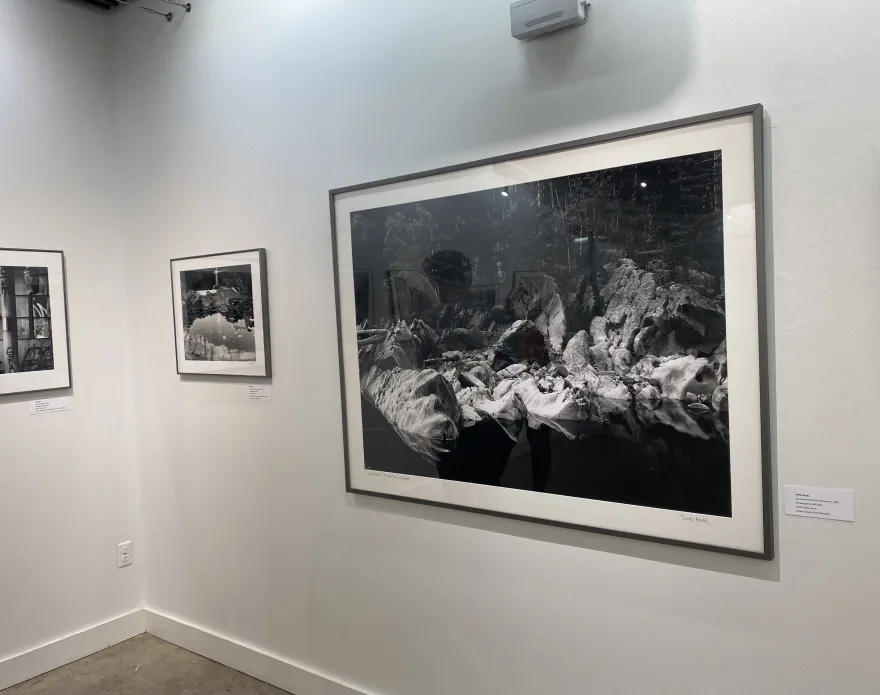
x=221, y=314
x=573, y=335
x=34, y=353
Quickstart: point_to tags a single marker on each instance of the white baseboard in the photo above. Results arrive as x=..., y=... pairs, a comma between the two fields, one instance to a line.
x=275, y=670
x=48, y=657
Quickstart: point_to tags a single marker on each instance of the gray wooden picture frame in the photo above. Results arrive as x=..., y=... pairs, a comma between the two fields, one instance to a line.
x=264, y=300
x=756, y=111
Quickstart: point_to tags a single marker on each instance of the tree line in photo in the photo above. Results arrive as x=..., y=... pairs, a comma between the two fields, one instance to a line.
x=665, y=216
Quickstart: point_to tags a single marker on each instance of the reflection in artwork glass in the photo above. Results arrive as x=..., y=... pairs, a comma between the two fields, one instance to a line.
x=25, y=320
x=218, y=314
x=565, y=336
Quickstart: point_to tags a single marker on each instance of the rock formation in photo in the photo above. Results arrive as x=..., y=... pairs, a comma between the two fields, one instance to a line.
x=655, y=356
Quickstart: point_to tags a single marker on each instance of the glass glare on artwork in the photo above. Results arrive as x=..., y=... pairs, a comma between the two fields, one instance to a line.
x=25, y=320
x=565, y=336
x=218, y=314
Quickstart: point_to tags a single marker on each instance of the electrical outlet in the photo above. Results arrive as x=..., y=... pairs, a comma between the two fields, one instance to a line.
x=123, y=554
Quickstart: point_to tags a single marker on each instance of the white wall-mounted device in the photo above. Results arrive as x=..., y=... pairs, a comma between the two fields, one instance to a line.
x=531, y=18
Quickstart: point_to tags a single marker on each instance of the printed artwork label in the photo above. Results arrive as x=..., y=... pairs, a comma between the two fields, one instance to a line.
x=820, y=503
x=259, y=393
x=50, y=405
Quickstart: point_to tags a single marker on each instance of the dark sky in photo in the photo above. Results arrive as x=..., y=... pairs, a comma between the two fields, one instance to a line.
x=236, y=276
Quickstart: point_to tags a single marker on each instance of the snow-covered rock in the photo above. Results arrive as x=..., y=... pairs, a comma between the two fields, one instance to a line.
x=720, y=398
x=503, y=388
x=399, y=349
x=598, y=331
x=551, y=322
x=684, y=375
x=484, y=373
x=621, y=360
x=719, y=359
x=467, y=379
x=512, y=371
x=469, y=416
x=420, y=403
x=505, y=411
x=645, y=366
x=600, y=358
x=608, y=387
x=548, y=406
x=467, y=395
x=577, y=352
x=649, y=393
x=602, y=385
x=545, y=384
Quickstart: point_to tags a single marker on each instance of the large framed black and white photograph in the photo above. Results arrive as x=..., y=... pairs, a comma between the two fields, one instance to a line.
x=221, y=314
x=572, y=335
x=34, y=353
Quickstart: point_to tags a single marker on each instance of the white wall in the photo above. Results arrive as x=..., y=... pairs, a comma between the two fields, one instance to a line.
x=68, y=481
x=238, y=119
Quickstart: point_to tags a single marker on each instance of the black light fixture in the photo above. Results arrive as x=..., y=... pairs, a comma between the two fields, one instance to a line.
x=113, y=4
x=167, y=15
x=505, y=191
x=103, y=4
x=185, y=5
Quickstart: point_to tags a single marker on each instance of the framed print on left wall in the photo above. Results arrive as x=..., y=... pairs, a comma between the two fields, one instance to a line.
x=221, y=314
x=34, y=352
x=573, y=335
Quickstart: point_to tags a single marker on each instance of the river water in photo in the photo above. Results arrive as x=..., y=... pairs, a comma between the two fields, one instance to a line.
x=665, y=458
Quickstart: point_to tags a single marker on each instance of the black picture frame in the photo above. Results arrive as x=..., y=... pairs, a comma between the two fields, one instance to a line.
x=263, y=301
x=756, y=111
x=67, y=382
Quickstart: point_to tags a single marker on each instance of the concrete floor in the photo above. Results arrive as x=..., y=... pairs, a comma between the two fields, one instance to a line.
x=144, y=665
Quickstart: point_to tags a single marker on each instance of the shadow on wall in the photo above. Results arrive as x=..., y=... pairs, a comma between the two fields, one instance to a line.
x=470, y=83
x=631, y=55
x=395, y=87
x=636, y=56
